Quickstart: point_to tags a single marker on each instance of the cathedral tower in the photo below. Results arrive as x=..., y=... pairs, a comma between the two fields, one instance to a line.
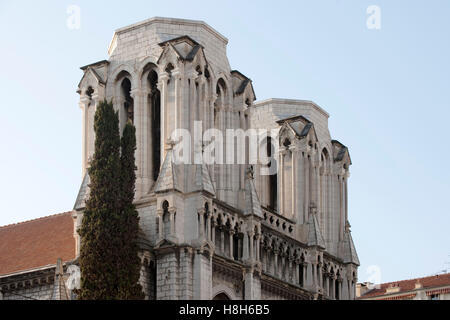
x=215, y=230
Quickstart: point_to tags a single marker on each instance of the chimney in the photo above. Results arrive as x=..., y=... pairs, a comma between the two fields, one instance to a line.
x=362, y=288
x=418, y=285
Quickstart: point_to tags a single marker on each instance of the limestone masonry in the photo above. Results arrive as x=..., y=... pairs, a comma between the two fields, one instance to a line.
x=214, y=231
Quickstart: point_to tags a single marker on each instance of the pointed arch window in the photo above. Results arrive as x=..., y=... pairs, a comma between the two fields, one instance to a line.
x=166, y=219
x=273, y=179
x=221, y=92
x=154, y=102
x=128, y=103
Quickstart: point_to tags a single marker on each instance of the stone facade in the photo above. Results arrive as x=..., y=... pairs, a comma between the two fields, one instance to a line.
x=215, y=229
x=222, y=231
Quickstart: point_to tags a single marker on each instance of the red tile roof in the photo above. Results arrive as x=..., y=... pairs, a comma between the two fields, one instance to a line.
x=409, y=285
x=36, y=243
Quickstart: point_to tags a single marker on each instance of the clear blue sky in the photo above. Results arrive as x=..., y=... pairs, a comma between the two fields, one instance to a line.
x=387, y=91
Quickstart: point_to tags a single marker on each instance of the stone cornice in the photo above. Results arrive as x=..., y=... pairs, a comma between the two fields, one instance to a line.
x=291, y=102
x=168, y=21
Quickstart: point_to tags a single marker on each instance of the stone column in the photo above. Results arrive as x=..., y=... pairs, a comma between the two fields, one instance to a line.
x=242, y=167
x=208, y=227
x=245, y=253
x=350, y=290
x=258, y=237
x=264, y=260
x=320, y=282
x=316, y=281
x=222, y=168
x=331, y=220
x=281, y=188
x=317, y=186
x=160, y=214
x=202, y=277
x=305, y=267
x=147, y=152
x=290, y=276
x=137, y=95
x=206, y=105
x=214, y=177
x=313, y=181
x=252, y=285
x=178, y=79
x=213, y=231
x=275, y=263
x=342, y=200
x=192, y=111
x=346, y=195
x=251, y=235
x=163, y=89
x=119, y=103
x=296, y=277
x=309, y=283
x=231, y=243
x=172, y=212
x=333, y=287
x=281, y=272
x=201, y=226
x=339, y=289
x=300, y=187
x=228, y=173
x=222, y=240
x=294, y=159
x=306, y=196
x=202, y=116
x=345, y=293
x=96, y=98
x=212, y=101
x=84, y=104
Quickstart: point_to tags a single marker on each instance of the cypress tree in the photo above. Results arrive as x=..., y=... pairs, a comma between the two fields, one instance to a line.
x=129, y=288
x=109, y=261
x=100, y=227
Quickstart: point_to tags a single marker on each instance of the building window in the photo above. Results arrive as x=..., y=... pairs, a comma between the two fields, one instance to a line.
x=434, y=297
x=128, y=103
x=273, y=179
x=155, y=116
x=300, y=275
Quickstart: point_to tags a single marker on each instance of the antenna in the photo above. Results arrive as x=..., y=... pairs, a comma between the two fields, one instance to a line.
x=447, y=264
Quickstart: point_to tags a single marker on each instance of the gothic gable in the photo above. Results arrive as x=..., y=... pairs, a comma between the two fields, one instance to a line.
x=91, y=78
x=83, y=193
x=202, y=180
x=182, y=48
x=170, y=55
x=168, y=177
x=297, y=127
x=315, y=238
x=348, y=253
x=340, y=153
x=243, y=85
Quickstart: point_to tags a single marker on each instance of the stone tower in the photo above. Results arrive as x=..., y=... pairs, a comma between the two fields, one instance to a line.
x=222, y=230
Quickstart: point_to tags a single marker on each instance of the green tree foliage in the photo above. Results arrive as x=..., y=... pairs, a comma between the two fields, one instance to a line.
x=129, y=288
x=108, y=255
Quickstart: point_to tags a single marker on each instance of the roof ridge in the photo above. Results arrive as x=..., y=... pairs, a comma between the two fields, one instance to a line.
x=33, y=220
